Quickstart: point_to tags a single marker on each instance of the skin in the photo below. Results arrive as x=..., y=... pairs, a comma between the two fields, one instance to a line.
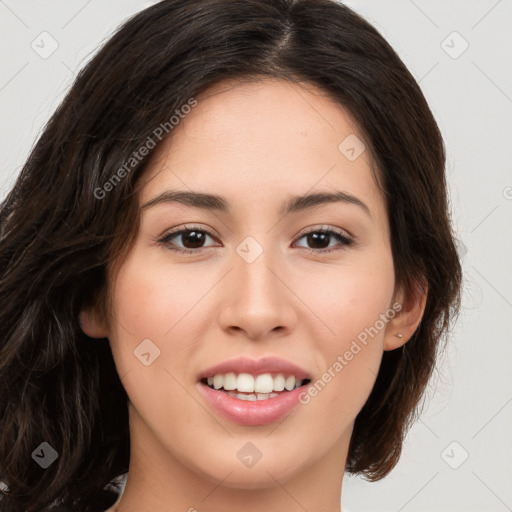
x=256, y=144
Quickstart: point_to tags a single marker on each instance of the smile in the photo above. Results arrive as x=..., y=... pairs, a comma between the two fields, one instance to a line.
x=253, y=391
x=245, y=386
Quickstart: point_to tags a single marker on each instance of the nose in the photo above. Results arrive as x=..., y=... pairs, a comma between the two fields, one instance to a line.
x=256, y=299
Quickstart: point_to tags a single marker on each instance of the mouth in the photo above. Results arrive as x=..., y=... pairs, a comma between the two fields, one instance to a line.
x=252, y=388
x=253, y=391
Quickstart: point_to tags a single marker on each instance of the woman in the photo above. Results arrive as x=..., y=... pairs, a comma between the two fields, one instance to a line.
x=226, y=267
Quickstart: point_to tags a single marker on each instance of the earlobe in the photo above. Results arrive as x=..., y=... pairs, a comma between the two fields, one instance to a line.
x=393, y=341
x=405, y=324
x=90, y=325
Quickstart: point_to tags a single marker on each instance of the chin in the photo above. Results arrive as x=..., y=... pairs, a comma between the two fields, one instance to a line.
x=261, y=475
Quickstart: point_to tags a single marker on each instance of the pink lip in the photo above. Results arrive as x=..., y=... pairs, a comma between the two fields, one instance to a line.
x=268, y=364
x=244, y=412
x=258, y=412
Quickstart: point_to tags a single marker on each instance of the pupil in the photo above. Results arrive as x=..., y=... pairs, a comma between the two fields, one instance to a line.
x=195, y=238
x=316, y=236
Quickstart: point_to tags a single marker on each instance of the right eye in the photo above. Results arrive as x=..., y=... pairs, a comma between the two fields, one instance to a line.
x=190, y=235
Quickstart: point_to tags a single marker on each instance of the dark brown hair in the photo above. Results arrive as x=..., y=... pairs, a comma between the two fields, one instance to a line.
x=58, y=240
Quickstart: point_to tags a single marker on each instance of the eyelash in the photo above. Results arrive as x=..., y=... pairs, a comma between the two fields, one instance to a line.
x=342, y=238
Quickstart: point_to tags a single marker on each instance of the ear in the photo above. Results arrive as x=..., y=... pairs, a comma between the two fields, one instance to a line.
x=401, y=328
x=91, y=324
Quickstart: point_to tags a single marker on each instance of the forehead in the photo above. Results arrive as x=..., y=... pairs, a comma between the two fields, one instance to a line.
x=260, y=142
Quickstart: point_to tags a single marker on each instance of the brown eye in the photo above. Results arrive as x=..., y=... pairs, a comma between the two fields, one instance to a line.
x=320, y=239
x=192, y=239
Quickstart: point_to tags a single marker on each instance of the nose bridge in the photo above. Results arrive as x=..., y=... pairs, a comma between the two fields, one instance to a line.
x=252, y=267
x=257, y=301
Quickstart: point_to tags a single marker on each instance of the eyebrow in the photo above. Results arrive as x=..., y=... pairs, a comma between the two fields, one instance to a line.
x=218, y=203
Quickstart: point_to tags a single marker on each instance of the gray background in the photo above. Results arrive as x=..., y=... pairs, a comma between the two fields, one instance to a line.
x=468, y=408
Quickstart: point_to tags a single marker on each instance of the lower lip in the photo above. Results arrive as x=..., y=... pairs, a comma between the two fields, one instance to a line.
x=244, y=412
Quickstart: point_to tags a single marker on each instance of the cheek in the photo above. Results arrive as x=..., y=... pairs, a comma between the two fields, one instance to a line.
x=152, y=299
x=159, y=303
x=155, y=301
x=351, y=298
x=354, y=305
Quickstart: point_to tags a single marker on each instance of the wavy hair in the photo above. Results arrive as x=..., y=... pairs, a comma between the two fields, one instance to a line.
x=59, y=239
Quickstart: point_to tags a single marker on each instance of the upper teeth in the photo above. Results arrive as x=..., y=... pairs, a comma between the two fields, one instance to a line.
x=246, y=382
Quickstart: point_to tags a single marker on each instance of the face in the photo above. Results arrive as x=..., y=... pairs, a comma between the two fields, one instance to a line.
x=305, y=287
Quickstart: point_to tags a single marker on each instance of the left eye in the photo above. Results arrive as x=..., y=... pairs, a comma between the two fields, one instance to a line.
x=195, y=237
x=320, y=236
x=192, y=235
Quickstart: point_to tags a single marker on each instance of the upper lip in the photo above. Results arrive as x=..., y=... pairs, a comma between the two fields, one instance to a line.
x=268, y=364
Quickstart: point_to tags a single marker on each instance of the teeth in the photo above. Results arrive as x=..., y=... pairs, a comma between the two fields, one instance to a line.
x=245, y=382
x=218, y=381
x=279, y=383
x=263, y=384
x=230, y=381
x=290, y=383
